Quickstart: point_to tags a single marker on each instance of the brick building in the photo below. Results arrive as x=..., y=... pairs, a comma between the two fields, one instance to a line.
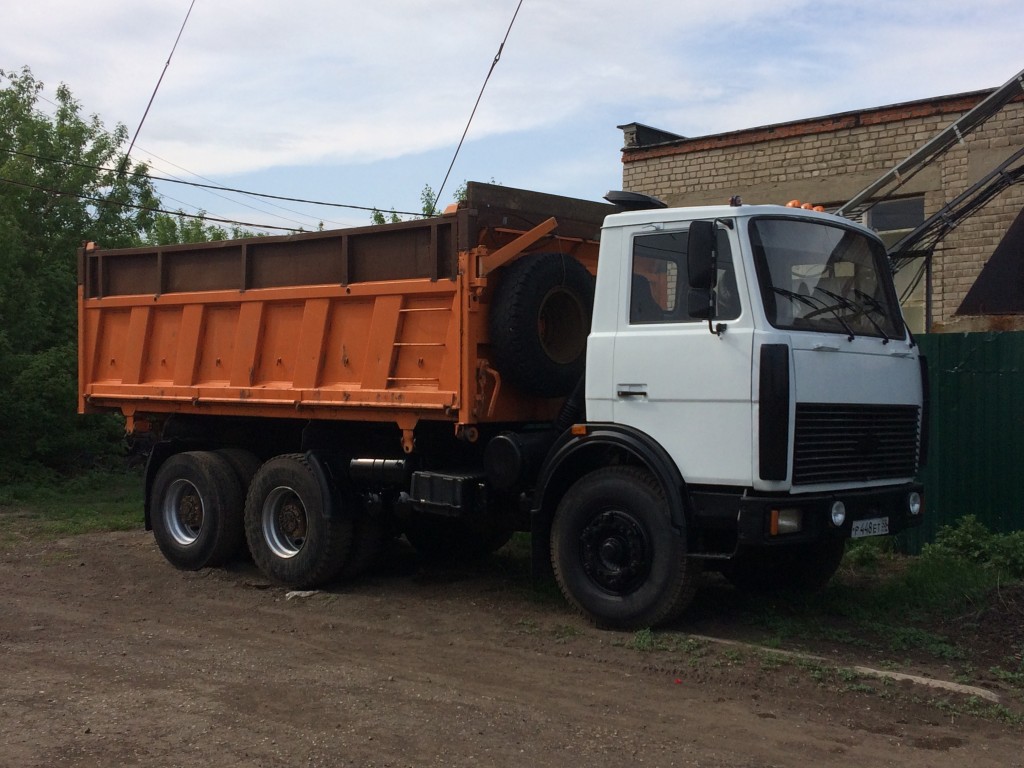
x=827, y=160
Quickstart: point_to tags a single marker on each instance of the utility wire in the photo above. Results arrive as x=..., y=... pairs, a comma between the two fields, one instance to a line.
x=472, y=114
x=160, y=80
x=217, y=186
x=214, y=185
x=148, y=208
x=279, y=197
x=153, y=177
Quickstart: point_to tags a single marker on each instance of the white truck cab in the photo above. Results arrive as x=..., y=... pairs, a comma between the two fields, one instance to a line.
x=756, y=358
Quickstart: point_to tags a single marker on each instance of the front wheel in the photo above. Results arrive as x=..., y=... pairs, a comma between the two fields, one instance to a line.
x=295, y=535
x=616, y=556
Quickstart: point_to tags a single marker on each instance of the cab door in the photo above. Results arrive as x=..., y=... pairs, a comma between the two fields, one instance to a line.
x=676, y=380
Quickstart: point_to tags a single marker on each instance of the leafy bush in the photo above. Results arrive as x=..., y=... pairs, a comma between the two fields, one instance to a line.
x=969, y=540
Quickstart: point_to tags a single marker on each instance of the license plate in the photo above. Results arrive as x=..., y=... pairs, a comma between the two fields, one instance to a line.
x=875, y=526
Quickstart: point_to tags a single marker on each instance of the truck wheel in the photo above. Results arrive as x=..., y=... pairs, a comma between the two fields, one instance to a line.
x=539, y=323
x=295, y=535
x=615, y=553
x=805, y=568
x=244, y=465
x=196, y=510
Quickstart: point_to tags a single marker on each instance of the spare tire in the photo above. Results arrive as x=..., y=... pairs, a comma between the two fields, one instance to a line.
x=540, y=320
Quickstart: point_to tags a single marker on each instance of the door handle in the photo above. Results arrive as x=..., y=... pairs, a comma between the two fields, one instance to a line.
x=631, y=390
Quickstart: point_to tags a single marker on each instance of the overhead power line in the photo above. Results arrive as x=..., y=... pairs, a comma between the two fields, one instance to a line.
x=148, y=208
x=153, y=177
x=163, y=72
x=214, y=184
x=160, y=79
x=497, y=58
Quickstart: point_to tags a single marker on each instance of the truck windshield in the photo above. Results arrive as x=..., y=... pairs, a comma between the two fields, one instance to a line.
x=827, y=278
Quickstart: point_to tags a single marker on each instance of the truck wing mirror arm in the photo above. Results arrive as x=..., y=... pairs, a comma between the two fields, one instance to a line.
x=702, y=273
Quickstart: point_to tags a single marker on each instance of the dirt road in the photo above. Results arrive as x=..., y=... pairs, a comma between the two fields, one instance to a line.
x=108, y=656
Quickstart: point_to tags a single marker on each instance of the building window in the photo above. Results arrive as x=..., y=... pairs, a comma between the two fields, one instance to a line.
x=896, y=216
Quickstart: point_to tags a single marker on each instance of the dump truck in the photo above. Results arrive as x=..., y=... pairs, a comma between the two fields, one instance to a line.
x=648, y=392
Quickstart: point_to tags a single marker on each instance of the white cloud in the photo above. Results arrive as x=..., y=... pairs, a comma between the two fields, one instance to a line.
x=256, y=86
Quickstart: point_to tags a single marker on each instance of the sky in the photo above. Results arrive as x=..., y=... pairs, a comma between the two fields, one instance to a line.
x=363, y=103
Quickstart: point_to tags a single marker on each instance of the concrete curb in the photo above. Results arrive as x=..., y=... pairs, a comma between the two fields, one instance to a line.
x=930, y=682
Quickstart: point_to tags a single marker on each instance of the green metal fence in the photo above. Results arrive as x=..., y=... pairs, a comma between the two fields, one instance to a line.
x=976, y=451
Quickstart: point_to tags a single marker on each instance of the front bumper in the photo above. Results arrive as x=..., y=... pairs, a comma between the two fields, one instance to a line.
x=754, y=520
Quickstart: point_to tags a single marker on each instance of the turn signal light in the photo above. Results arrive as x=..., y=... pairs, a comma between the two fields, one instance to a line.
x=783, y=521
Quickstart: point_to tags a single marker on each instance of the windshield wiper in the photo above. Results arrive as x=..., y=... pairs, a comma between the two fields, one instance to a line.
x=794, y=296
x=818, y=306
x=861, y=310
x=872, y=303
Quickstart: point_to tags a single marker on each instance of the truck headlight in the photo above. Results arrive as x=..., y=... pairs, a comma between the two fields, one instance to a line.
x=838, y=513
x=914, y=503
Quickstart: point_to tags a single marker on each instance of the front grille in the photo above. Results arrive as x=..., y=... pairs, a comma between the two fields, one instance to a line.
x=845, y=443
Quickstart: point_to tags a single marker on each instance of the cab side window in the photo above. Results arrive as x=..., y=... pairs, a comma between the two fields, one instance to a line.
x=659, y=283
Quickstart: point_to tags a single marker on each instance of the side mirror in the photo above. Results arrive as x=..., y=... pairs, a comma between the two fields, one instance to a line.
x=700, y=303
x=700, y=255
x=702, y=269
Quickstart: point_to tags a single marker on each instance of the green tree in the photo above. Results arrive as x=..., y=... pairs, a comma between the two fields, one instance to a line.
x=427, y=203
x=64, y=179
x=379, y=217
x=171, y=229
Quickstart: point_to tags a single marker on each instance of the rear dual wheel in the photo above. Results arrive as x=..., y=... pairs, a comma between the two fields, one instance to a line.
x=196, y=511
x=296, y=536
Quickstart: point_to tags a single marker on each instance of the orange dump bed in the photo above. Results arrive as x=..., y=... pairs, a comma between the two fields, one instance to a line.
x=384, y=323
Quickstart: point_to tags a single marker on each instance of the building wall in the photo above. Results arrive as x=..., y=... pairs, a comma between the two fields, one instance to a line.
x=828, y=160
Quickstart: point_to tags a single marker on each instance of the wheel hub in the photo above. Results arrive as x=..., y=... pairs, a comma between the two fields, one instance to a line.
x=182, y=512
x=284, y=522
x=291, y=521
x=190, y=512
x=612, y=552
x=562, y=327
x=615, y=552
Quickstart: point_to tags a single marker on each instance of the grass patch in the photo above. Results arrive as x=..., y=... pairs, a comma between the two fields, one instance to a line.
x=50, y=507
x=647, y=640
x=564, y=632
x=905, y=638
x=925, y=607
x=975, y=707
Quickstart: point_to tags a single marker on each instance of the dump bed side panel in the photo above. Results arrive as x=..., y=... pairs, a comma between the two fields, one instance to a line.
x=313, y=325
x=383, y=323
x=277, y=352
